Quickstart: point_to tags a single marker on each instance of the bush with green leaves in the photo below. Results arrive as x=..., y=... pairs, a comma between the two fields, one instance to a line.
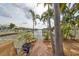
x=26, y=36
x=46, y=36
x=66, y=31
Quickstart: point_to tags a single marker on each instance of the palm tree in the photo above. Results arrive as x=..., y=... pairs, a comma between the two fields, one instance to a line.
x=58, y=41
x=46, y=16
x=49, y=15
x=34, y=17
x=70, y=18
x=66, y=13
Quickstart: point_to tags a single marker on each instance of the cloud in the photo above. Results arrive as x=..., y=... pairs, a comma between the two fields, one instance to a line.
x=25, y=9
x=20, y=14
x=4, y=13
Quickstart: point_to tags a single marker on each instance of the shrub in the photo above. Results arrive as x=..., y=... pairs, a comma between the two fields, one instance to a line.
x=46, y=36
x=26, y=36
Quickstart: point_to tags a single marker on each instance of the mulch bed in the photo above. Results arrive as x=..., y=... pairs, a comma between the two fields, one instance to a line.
x=68, y=45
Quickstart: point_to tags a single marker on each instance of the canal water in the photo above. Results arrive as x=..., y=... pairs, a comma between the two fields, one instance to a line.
x=18, y=44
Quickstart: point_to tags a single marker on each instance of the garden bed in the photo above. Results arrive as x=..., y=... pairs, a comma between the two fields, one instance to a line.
x=33, y=42
x=70, y=47
x=47, y=42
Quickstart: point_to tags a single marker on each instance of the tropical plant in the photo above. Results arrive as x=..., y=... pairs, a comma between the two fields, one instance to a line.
x=65, y=29
x=34, y=17
x=46, y=36
x=46, y=16
x=69, y=17
x=25, y=36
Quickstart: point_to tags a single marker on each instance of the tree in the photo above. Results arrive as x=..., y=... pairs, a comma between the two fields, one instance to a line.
x=25, y=36
x=34, y=17
x=77, y=21
x=46, y=16
x=69, y=18
x=11, y=25
x=49, y=15
x=58, y=40
x=3, y=27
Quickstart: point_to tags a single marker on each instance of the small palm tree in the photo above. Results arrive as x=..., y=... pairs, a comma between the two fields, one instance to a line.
x=34, y=17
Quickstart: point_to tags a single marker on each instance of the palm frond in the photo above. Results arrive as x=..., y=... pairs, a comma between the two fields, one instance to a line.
x=62, y=7
x=77, y=5
x=45, y=4
x=37, y=16
x=32, y=13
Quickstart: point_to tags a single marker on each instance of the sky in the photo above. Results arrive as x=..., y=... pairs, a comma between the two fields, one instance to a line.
x=18, y=14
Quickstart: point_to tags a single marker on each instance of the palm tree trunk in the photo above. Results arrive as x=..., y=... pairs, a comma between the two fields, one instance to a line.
x=74, y=32
x=33, y=29
x=50, y=34
x=58, y=41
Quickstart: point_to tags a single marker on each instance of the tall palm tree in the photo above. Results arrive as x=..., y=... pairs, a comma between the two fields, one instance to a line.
x=58, y=40
x=46, y=16
x=49, y=15
x=34, y=17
